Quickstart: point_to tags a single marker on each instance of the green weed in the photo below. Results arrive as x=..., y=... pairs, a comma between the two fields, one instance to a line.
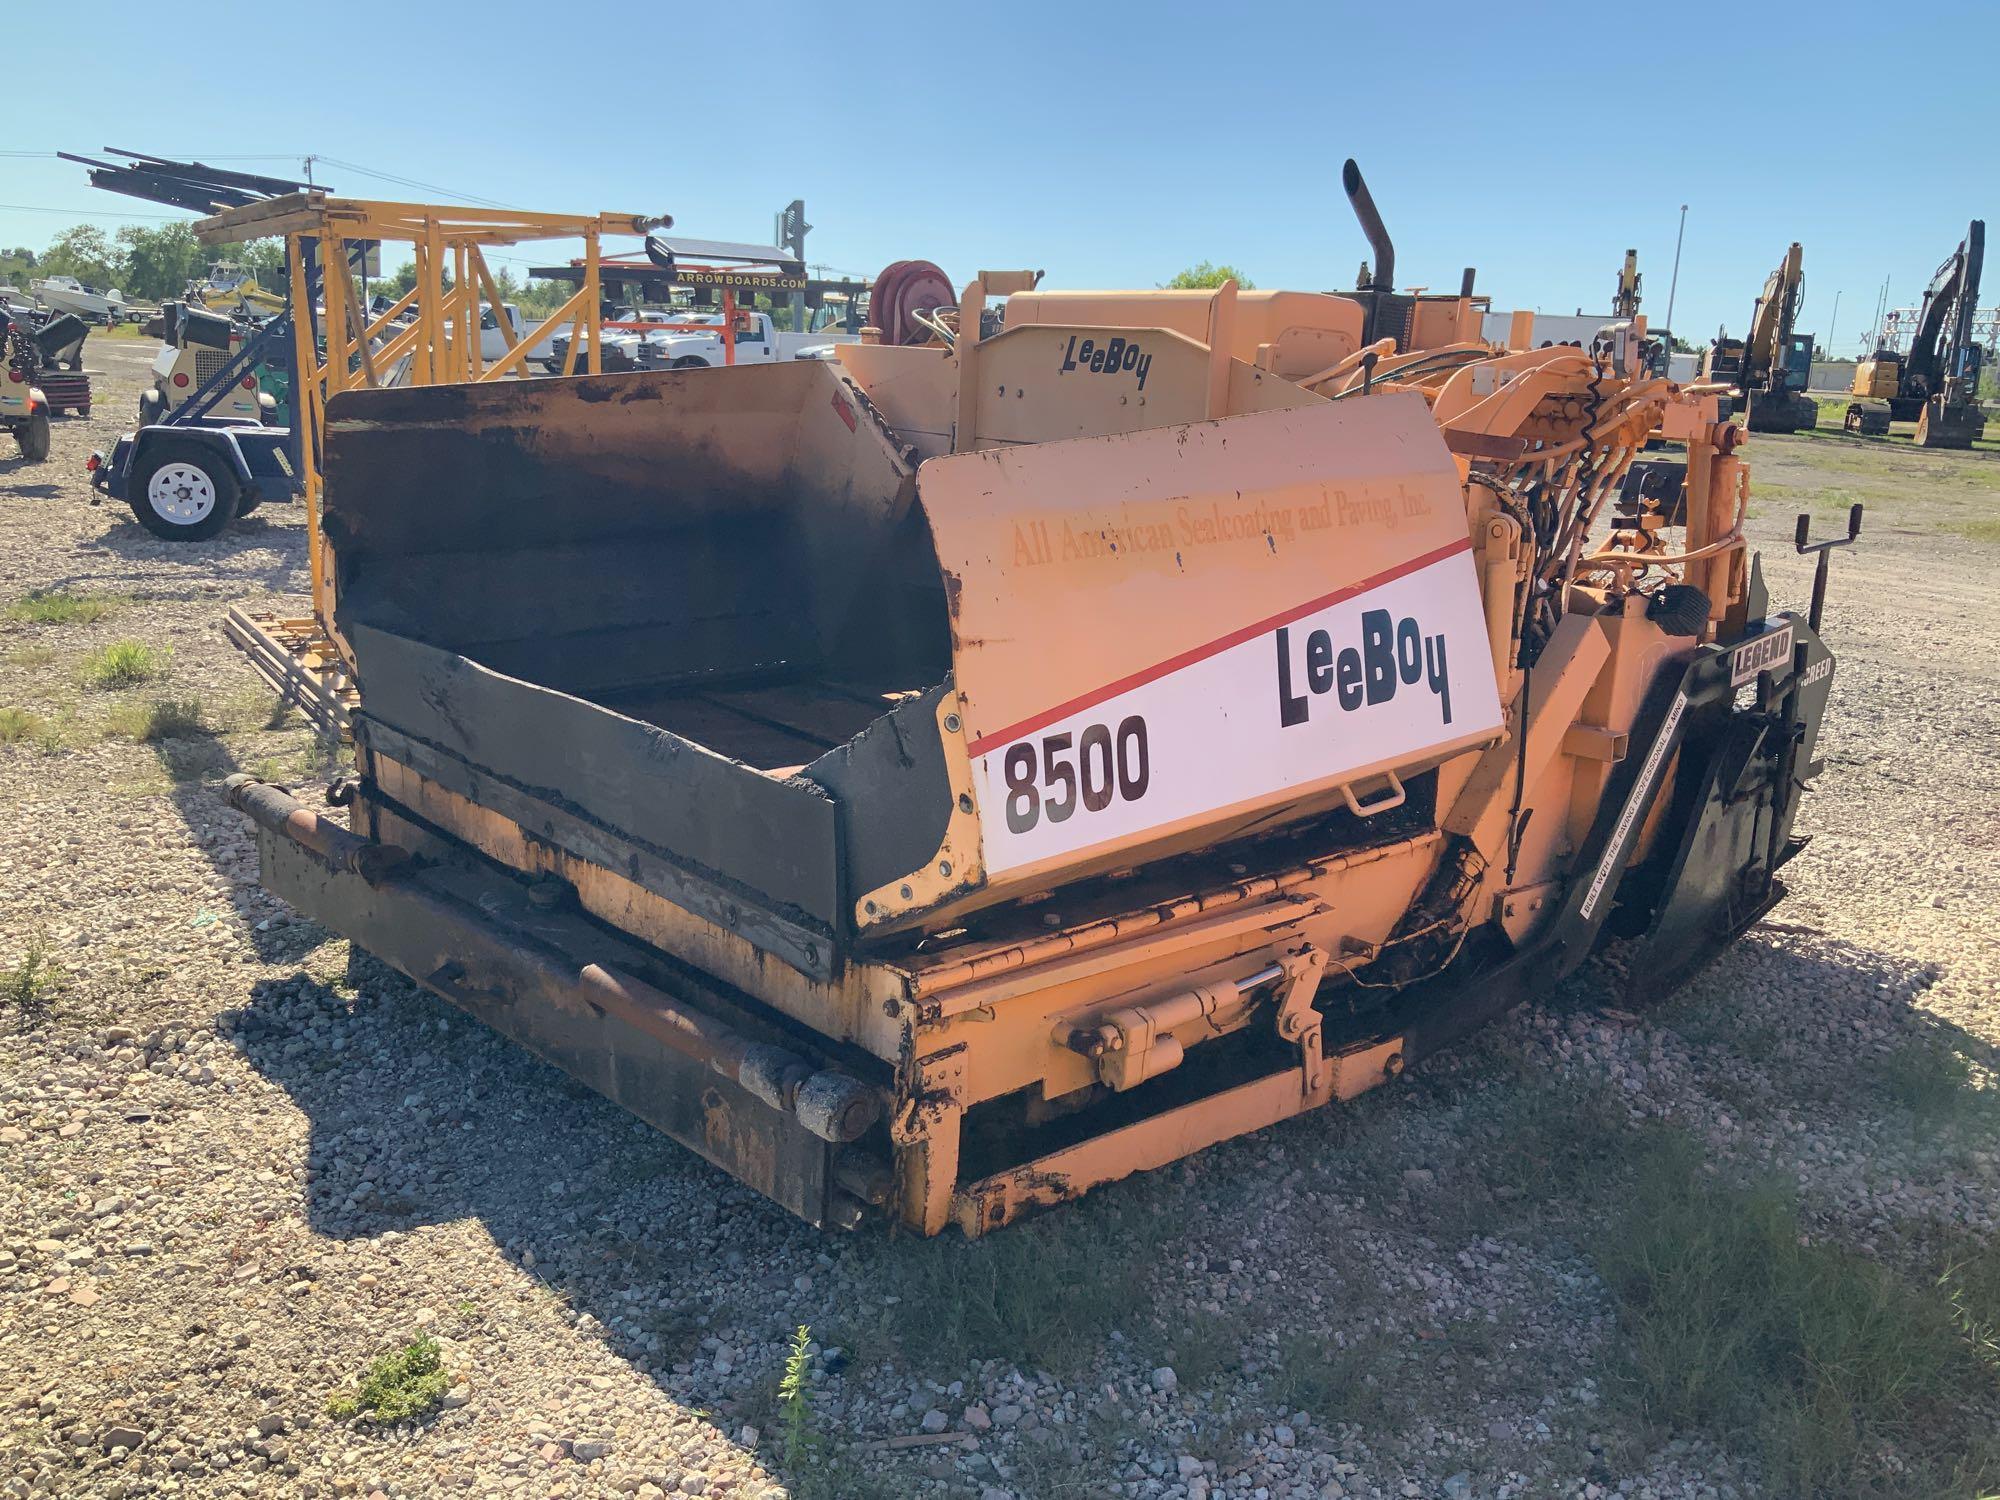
x=402, y=1387
x=1334, y=1382
x=60, y=607
x=1041, y=1294
x=161, y=719
x=795, y=1419
x=33, y=983
x=124, y=664
x=17, y=724
x=1930, y=1078
x=1850, y=1379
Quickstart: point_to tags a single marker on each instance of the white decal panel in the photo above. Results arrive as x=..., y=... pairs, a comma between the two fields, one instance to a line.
x=1760, y=653
x=1298, y=703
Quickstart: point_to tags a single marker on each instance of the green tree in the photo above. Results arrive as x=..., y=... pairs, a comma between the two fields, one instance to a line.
x=403, y=278
x=264, y=257
x=159, y=263
x=540, y=298
x=83, y=251
x=1206, y=277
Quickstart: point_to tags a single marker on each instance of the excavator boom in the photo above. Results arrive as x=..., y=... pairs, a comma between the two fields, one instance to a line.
x=1936, y=381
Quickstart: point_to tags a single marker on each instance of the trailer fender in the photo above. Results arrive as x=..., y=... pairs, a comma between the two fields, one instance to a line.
x=220, y=440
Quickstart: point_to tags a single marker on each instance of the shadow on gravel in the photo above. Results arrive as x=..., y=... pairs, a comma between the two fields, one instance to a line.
x=420, y=1116
x=196, y=762
x=1846, y=1043
x=33, y=491
x=254, y=533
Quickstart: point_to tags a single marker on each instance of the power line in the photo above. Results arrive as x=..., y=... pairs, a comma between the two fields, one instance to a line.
x=428, y=187
x=191, y=155
x=88, y=213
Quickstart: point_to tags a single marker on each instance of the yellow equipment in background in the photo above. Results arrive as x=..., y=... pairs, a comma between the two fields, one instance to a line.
x=1935, y=383
x=1771, y=366
x=340, y=348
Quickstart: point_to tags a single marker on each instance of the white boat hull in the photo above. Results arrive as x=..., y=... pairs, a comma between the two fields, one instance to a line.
x=83, y=302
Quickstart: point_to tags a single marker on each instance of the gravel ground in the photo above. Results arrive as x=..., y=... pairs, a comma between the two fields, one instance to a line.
x=232, y=1173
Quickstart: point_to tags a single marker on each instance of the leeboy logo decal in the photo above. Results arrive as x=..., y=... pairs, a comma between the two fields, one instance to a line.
x=1392, y=670
x=1391, y=655
x=1113, y=356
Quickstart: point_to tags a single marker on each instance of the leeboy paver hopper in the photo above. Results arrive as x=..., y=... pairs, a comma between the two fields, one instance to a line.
x=939, y=782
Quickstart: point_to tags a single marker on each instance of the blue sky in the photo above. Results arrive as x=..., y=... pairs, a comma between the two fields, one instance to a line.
x=1110, y=144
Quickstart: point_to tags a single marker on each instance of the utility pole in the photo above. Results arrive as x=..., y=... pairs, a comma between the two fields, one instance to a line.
x=1675, y=284
x=792, y=232
x=1831, y=324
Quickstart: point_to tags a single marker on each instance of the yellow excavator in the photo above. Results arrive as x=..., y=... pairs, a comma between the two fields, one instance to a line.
x=1625, y=301
x=1771, y=368
x=1936, y=383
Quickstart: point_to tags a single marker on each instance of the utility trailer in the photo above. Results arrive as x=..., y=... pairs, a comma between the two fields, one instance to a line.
x=191, y=468
x=936, y=783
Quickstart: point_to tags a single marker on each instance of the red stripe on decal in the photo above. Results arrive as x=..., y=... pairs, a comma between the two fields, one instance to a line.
x=1189, y=657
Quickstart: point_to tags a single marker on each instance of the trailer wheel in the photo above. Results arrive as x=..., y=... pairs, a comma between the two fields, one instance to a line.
x=33, y=436
x=183, y=492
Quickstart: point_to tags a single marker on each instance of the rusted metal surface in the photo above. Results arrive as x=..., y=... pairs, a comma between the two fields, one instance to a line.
x=479, y=943
x=860, y=1004
x=273, y=809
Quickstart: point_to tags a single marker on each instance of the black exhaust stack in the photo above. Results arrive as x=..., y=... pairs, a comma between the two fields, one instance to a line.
x=1382, y=250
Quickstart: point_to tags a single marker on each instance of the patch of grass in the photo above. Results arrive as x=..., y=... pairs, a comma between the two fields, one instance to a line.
x=124, y=664
x=1078, y=1460
x=1202, y=1345
x=402, y=1387
x=1987, y=530
x=1848, y=1378
x=1043, y=1295
x=1930, y=1078
x=324, y=755
x=60, y=607
x=1334, y=1382
x=1557, y=1143
x=17, y=724
x=61, y=733
x=33, y=983
x=161, y=719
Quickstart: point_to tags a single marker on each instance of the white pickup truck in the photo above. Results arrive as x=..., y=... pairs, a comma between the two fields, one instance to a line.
x=757, y=343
